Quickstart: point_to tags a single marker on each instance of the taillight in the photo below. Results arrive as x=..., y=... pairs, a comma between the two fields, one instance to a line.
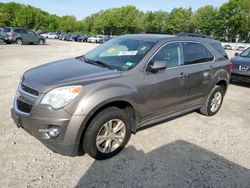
x=230, y=67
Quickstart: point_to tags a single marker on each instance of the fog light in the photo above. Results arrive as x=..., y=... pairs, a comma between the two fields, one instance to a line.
x=53, y=132
x=50, y=132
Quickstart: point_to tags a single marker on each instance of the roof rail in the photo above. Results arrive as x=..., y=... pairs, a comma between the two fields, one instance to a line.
x=155, y=32
x=183, y=34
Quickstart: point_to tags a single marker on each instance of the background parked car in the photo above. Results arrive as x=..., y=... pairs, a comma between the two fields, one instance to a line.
x=228, y=47
x=96, y=39
x=1, y=35
x=50, y=35
x=83, y=38
x=241, y=48
x=65, y=36
x=74, y=37
x=21, y=36
x=241, y=66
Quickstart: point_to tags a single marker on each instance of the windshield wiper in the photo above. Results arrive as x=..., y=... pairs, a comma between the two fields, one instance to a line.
x=96, y=62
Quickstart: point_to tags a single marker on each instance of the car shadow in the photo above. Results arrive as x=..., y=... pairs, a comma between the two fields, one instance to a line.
x=178, y=164
x=241, y=83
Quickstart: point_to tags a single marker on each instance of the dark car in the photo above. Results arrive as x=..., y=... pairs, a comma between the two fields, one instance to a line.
x=68, y=37
x=63, y=36
x=94, y=102
x=21, y=36
x=1, y=35
x=74, y=37
x=241, y=66
x=83, y=38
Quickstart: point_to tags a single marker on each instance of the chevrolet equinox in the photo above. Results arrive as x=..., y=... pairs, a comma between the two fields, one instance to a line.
x=92, y=103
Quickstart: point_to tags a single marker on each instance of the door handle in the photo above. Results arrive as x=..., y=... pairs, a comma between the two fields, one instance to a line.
x=182, y=75
x=211, y=67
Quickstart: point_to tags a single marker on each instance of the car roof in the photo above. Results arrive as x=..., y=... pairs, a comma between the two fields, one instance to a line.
x=166, y=37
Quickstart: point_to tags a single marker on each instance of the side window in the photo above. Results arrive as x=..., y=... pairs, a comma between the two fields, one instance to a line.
x=171, y=53
x=23, y=31
x=17, y=30
x=196, y=53
x=218, y=47
x=31, y=32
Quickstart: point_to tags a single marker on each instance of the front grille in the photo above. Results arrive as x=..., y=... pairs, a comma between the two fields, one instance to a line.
x=24, y=107
x=29, y=90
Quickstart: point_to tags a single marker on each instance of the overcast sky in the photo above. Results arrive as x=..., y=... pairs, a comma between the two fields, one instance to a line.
x=83, y=8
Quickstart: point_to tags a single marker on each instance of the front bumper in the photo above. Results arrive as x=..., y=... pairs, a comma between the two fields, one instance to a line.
x=240, y=77
x=43, y=118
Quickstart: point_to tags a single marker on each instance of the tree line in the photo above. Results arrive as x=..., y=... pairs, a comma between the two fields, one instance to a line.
x=229, y=22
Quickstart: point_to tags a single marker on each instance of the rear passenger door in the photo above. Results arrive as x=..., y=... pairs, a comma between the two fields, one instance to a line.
x=24, y=35
x=32, y=36
x=199, y=63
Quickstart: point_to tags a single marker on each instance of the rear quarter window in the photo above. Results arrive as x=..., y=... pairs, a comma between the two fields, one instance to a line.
x=218, y=47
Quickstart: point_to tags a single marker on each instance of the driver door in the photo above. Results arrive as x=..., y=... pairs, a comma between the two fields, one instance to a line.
x=166, y=90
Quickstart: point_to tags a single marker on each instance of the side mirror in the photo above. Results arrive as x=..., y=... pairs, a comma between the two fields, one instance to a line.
x=157, y=65
x=236, y=54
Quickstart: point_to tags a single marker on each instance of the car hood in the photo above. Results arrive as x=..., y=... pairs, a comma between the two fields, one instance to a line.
x=241, y=60
x=65, y=72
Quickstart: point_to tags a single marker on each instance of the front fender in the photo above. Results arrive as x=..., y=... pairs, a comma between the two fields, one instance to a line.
x=91, y=103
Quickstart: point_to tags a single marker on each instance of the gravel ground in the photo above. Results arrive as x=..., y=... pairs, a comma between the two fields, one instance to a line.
x=189, y=151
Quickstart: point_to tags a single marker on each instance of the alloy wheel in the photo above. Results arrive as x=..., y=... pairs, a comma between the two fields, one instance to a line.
x=111, y=136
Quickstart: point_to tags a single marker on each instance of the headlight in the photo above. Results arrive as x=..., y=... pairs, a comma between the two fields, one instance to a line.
x=59, y=97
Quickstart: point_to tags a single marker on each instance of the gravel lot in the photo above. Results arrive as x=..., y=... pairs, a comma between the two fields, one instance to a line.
x=189, y=151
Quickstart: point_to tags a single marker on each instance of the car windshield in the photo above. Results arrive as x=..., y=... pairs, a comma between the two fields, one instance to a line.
x=246, y=53
x=120, y=54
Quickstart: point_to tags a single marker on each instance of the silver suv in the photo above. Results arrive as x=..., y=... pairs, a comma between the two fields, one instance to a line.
x=21, y=36
x=94, y=102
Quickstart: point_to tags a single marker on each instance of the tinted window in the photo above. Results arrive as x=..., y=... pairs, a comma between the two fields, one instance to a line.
x=218, y=47
x=171, y=53
x=31, y=32
x=196, y=53
x=23, y=31
x=6, y=30
x=17, y=30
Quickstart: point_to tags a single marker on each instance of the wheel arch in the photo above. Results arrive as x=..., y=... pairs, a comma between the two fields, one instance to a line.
x=124, y=104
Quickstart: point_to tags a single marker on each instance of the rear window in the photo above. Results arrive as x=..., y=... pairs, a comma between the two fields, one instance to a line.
x=218, y=47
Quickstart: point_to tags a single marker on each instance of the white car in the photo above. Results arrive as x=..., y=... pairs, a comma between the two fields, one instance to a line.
x=49, y=35
x=96, y=39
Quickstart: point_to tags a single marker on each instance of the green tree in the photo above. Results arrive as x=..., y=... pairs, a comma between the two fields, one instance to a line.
x=234, y=17
x=154, y=21
x=179, y=20
x=118, y=21
x=67, y=24
x=25, y=17
x=205, y=20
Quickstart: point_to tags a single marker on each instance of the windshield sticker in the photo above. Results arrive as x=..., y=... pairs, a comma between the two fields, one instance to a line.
x=127, y=53
x=111, y=50
x=129, y=64
x=143, y=48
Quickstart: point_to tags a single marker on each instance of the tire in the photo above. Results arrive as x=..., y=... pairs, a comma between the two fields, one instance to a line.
x=111, y=117
x=41, y=42
x=212, y=105
x=19, y=41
